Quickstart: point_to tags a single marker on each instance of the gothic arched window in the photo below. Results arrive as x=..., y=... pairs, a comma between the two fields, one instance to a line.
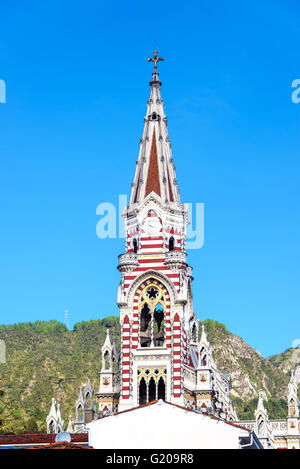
x=158, y=323
x=52, y=426
x=142, y=392
x=145, y=326
x=194, y=333
x=152, y=308
x=88, y=401
x=292, y=406
x=152, y=390
x=171, y=243
x=135, y=246
x=161, y=389
x=261, y=426
x=79, y=413
x=107, y=360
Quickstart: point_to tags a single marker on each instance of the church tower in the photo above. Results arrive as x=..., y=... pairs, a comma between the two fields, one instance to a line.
x=154, y=297
x=159, y=329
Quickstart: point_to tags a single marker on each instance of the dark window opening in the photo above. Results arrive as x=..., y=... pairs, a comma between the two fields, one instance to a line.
x=152, y=390
x=261, y=427
x=194, y=333
x=292, y=407
x=142, y=392
x=161, y=389
x=145, y=331
x=171, y=243
x=135, y=246
x=88, y=401
x=51, y=427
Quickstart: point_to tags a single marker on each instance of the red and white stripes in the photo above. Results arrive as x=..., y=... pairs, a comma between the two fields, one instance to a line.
x=125, y=391
x=177, y=359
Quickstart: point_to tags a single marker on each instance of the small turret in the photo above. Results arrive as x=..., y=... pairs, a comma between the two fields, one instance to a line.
x=293, y=406
x=51, y=419
x=85, y=406
x=204, y=351
x=262, y=426
x=80, y=411
x=109, y=386
x=107, y=351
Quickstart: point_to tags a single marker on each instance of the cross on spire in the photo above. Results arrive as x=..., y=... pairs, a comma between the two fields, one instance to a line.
x=155, y=59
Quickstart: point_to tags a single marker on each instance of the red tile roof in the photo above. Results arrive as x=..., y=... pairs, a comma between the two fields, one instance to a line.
x=38, y=438
x=62, y=445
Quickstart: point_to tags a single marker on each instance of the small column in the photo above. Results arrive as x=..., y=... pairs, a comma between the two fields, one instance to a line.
x=125, y=401
x=177, y=362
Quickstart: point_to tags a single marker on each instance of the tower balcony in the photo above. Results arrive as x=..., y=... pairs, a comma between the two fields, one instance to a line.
x=176, y=259
x=128, y=262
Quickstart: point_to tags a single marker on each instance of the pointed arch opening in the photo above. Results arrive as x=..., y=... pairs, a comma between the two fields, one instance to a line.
x=135, y=246
x=88, y=400
x=194, y=333
x=152, y=390
x=142, y=392
x=261, y=426
x=161, y=389
x=292, y=406
x=106, y=360
x=145, y=326
x=171, y=243
x=158, y=326
x=79, y=413
x=152, y=312
x=51, y=427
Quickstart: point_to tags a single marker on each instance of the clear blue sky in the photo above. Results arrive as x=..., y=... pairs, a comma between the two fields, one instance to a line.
x=77, y=85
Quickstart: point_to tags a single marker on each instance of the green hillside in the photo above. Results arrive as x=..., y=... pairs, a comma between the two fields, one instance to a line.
x=41, y=353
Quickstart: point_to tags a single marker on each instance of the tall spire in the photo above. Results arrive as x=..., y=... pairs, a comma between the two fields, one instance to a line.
x=155, y=170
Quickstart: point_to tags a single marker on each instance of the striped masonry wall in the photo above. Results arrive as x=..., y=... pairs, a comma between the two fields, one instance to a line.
x=126, y=358
x=177, y=349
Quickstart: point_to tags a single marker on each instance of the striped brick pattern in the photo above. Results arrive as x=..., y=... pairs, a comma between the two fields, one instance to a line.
x=155, y=261
x=126, y=358
x=177, y=359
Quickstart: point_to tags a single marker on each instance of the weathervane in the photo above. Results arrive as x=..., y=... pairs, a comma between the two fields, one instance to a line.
x=155, y=59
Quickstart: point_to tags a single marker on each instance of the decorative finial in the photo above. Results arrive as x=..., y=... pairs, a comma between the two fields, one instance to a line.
x=155, y=59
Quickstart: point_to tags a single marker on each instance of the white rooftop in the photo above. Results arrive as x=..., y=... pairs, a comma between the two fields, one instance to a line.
x=163, y=425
